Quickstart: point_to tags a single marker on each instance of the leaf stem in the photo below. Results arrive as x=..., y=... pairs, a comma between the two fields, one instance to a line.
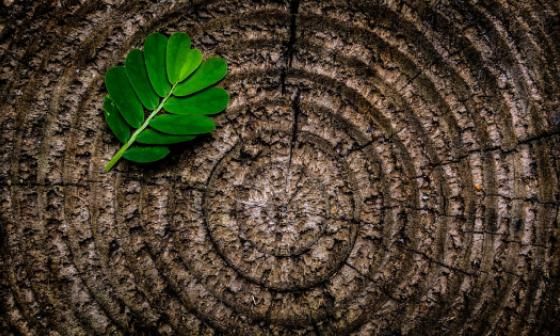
x=118, y=155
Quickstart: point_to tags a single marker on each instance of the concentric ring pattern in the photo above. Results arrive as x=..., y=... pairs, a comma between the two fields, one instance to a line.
x=384, y=168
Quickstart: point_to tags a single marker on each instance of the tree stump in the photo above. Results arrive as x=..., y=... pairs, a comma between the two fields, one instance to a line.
x=384, y=168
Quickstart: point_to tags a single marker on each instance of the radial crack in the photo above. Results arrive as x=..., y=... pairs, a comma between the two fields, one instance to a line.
x=290, y=46
x=296, y=109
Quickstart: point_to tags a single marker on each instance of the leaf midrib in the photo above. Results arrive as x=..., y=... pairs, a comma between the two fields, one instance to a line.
x=134, y=135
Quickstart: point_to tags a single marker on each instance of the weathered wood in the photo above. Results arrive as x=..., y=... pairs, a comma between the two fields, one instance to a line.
x=384, y=168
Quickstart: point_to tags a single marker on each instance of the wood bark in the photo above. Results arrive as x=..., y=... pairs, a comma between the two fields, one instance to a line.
x=384, y=168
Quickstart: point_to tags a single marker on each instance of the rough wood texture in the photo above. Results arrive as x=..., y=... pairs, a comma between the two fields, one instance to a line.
x=385, y=168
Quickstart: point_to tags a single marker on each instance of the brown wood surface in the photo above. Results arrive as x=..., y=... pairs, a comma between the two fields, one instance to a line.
x=384, y=168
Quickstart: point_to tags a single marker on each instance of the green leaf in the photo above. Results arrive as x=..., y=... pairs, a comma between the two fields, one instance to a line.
x=178, y=47
x=146, y=154
x=210, y=101
x=183, y=124
x=115, y=120
x=151, y=137
x=209, y=73
x=124, y=97
x=155, y=50
x=144, y=83
x=136, y=72
x=194, y=59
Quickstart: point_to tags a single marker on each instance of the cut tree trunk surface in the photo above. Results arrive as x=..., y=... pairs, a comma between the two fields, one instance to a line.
x=384, y=168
